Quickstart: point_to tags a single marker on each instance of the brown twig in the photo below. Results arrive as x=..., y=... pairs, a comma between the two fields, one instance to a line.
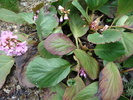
x=131, y=69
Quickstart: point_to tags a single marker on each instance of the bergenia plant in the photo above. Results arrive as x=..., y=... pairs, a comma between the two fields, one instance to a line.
x=81, y=49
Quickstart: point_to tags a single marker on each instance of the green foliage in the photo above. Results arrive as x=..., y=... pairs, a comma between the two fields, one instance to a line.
x=28, y=17
x=10, y=16
x=128, y=63
x=95, y=4
x=71, y=91
x=6, y=63
x=87, y=93
x=79, y=7
x=59, y=44
x=88, y=63
x=110, y=51
x=109, y=8
x=110, y=80
x=47, y=72
x=124, y=7
x=129, y=88
x=105, y=37
x=44, y=53
x=10, y=5
x=77, y=25
x=81, y=41
x=46, y=22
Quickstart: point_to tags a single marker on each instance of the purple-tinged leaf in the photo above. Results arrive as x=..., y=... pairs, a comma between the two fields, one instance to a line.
x=71, y=91
x=89, y=64
x=59, y=44
x=21, y=66
x=110, y=83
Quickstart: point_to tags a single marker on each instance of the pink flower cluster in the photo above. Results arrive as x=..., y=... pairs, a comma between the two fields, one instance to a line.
x=82, y=73
x=10, y=45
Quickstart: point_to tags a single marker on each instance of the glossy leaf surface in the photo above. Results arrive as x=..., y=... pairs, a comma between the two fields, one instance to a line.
x=47, y=72
x=59, y=44
x=80, y=8
x=89, y=64
x=46, y=22
x=87, y=93
x=72, y=90
x=28, y=17
x=44, y=53
x=106, y=37
x=110, y=84
x=10, y=16
x=77, y=26
x=110, y=51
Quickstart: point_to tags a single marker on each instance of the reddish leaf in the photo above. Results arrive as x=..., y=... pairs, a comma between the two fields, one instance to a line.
x=21, y=65
x=89, y=64
x=110, y=86
x=73, y=90
x=59, y=44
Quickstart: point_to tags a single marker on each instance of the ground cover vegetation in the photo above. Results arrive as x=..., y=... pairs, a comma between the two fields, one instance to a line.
x=82, y=49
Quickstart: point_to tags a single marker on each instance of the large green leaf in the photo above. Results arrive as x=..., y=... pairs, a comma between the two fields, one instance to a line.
x=89, y=64
x=110, y=51
x=10, y=16
x=47, y=72
x=28, y=17
x=95, y=4
x=6, y=63
x=107, y=36
x=72, y=90
x=127, y=41
x=77, y=25
x=87, y=93
x=46, y=22
x=59, y=44
x=124, y=6
x=109, y=8
x=44, y=53
x=110, y=83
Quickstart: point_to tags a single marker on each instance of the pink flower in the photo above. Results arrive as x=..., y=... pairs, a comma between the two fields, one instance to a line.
x=82, y=73
x=21, y=48
x=10, y=45
x=35, y=17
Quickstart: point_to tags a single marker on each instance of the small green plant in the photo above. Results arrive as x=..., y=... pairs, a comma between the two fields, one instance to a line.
x=128, y=86
x=77, y=54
